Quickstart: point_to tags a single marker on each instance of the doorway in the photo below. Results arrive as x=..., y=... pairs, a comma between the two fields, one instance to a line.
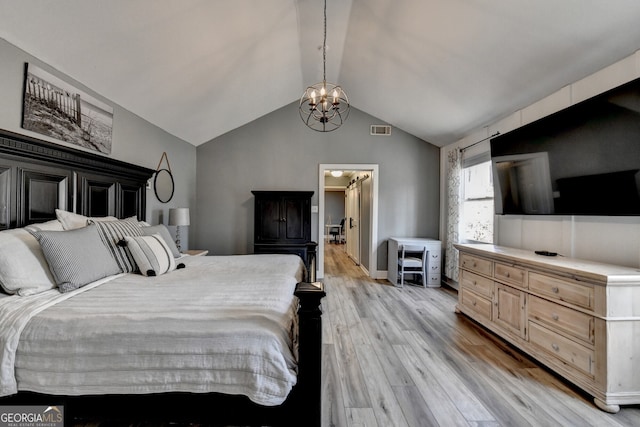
x=367, y=230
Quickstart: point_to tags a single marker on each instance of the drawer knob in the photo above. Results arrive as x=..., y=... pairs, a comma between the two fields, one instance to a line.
x=555, y=290
x=555, y=347
x=507, y=274
x=473, y=303
x=555, y=317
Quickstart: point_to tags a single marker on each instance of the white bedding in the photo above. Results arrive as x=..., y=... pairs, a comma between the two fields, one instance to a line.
x=222, y=324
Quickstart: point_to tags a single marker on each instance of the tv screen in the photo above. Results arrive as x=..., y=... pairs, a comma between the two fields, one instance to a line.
x=583, y=160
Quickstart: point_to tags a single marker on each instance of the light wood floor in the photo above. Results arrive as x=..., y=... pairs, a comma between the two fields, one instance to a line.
x=402, y=357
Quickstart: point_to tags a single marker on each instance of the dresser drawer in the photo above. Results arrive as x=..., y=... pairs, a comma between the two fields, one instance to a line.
x=573, y=354
x=433, y=279
x=565, y=290
x=510, y=274
x=476, y=303
x=434, y=268
x=478, y=284
x=562, y=318
x=479, y=265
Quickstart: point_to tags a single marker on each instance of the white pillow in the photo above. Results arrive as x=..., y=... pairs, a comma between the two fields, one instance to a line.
x=152, y=254
x=53, y=225
x=23, y=267
x=71, y=221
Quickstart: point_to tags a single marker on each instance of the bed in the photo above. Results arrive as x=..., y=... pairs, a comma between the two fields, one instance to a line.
x=141, y=332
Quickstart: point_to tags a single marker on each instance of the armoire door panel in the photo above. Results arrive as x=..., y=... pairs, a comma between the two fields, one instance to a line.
x=294, y=219
x=270, y=221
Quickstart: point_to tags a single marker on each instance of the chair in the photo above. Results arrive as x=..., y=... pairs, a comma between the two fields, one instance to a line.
x=336, y=232
x=412, y=260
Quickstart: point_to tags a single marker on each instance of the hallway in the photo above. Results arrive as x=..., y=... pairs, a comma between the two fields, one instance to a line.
x=403, y=357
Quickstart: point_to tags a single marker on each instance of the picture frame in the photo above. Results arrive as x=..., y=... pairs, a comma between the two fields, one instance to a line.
x=58, y=109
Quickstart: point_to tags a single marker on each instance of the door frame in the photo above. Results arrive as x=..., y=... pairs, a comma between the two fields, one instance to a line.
x=373, y=232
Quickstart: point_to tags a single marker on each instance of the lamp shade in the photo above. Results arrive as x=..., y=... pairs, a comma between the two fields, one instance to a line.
x=179, y=216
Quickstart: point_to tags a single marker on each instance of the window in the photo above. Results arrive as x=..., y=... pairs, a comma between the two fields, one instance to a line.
x=476, y=219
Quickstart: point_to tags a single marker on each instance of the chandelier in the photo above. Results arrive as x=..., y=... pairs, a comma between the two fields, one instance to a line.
x=324, y=106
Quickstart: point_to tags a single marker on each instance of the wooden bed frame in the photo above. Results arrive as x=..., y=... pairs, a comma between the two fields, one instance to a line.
x=37, y=177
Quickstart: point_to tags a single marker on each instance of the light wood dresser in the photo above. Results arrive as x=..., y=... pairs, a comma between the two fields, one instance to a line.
x=579, y=318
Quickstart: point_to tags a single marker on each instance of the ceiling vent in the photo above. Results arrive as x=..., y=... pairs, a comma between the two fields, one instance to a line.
x=380, y=130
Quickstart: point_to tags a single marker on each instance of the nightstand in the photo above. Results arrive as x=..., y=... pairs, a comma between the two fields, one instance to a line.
x=196, y=252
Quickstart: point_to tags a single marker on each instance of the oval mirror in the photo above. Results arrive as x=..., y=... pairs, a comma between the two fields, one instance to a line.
x=163, y=185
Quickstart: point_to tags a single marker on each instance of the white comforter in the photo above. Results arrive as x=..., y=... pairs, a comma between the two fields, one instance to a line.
x=223, y=324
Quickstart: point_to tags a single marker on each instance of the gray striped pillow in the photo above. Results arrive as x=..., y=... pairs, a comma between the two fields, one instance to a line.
x=112, y=232
x=76, y=257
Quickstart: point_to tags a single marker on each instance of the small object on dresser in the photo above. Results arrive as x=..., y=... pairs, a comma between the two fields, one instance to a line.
x=546, y=253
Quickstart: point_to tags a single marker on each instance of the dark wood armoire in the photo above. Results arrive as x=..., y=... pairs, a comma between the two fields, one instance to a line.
x=283, y=225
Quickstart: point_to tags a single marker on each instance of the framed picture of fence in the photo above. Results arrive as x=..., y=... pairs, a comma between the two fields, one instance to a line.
x=55, y=108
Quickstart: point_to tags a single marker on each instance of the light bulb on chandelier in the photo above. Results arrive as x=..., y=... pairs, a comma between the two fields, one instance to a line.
x=324, y=106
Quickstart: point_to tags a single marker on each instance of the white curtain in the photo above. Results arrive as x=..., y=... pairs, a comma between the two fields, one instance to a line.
x=453, y=213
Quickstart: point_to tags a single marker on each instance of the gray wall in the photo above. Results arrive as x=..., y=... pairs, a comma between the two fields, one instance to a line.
x=333, y=206
x=134, y=139
x=278, y=152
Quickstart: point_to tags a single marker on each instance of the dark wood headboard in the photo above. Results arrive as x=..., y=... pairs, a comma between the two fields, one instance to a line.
x=37, y=177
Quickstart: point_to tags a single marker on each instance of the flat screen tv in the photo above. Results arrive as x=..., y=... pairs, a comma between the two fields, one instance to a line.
x=583, y=160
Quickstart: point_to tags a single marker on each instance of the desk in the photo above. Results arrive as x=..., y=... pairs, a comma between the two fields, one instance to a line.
x=432, y=266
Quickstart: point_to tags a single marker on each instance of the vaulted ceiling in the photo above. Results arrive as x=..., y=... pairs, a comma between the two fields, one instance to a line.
x=434, y=68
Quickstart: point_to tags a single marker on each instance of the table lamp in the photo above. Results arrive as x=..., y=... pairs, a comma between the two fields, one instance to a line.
x=178, y=217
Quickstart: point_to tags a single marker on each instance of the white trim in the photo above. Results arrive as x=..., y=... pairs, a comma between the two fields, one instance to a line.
x=373, y=232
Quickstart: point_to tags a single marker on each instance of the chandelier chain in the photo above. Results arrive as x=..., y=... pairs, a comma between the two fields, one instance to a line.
x=324, y=106
x=324, y=45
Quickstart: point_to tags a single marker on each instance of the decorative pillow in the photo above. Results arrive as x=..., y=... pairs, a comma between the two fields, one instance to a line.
x=71, y=221
x=163, y=231
x=76, y=257
x=23, y=266
x=53, y=225
x=152, y=254
x=112, y=232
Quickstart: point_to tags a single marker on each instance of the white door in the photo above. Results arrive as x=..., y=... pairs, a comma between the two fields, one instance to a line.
x=353, y=223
